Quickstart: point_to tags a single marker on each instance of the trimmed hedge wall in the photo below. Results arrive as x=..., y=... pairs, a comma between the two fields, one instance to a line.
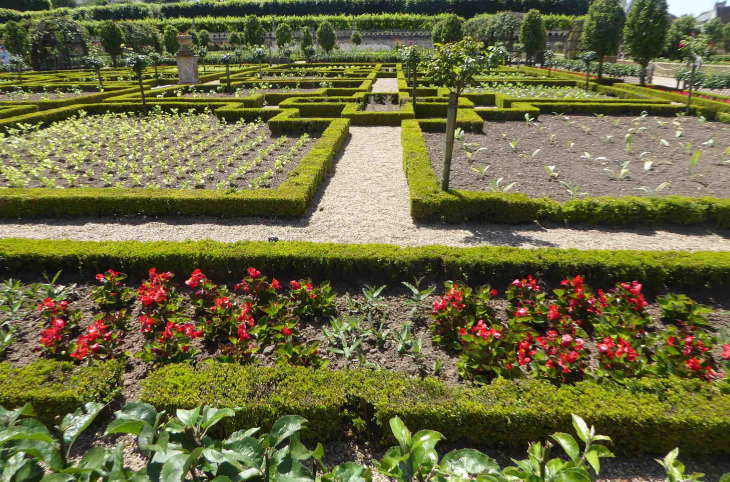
x=658, y=270
x=57, y=388
x=429, y=202
x=651, y=416
x=13, y=111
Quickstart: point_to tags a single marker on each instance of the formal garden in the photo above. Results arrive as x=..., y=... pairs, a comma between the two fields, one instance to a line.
x=237, y=243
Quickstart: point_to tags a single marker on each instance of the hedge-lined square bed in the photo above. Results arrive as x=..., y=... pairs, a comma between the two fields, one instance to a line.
x=546, y=158
x=183, y=151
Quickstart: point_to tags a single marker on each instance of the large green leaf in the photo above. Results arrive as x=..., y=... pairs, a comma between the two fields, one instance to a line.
x=58, y=478
x=581, y=427
x=44, y=451
x=400, y=431
x=569, y=445
x=573, y=474
x=73, y=424
x=143, y=412
x=247, y=451
x=291, y=470
x=24, y=433
x=178, y=466
x=18, y=468
x=188, y=417
x=285, y=427
x=468, y=462
x=351, y=472
x=211, y=416
x=9, y=417
x=125, y=426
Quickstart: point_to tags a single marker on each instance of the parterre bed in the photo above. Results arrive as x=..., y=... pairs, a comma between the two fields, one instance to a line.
x=654, y=139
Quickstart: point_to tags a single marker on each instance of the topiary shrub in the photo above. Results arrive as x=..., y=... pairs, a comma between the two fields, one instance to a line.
x=447, y=30
x=58, y=42
x=253, y=32
x=284, y=35
x=326, y=36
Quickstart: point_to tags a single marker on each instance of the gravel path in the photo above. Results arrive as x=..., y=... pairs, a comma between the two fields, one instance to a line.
x=365, y=200
x=385, y=85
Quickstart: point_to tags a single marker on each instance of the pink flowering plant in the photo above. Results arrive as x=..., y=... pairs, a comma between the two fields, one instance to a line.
x=458, y=310
x=111, y=293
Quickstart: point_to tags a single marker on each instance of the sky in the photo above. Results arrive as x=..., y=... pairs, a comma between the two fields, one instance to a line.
x=694, y=7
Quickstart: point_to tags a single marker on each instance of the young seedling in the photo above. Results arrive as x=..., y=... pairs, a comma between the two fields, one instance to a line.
x=570, y=145
x=694, y=159
x=554, y=138
x=513, y=145
x=587, y=156
x=651, y=192
x=629, y=140
x=607, y=138
x=664, y=142
x=497, y=185
x=573, y=189
x=675, y=469
x=481, y=170
x=621, y=174
x=551, y=172
x=710, y=143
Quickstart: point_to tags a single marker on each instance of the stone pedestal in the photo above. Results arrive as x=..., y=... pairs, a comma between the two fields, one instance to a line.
x=187, y=69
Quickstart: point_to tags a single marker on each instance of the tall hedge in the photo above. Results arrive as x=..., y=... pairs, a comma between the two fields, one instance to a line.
x=25, y=5
x=465, y=8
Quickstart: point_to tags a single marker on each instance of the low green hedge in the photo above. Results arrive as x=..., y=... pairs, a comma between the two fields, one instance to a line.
x=705, y=107
x=57, y=388
x=515, y=113
x=13, y=111
x=289, y=199
x=624, y=108
x=429, y=202
x=466, y=119
x=288, y=121
x=648, y=416
x=354, y=263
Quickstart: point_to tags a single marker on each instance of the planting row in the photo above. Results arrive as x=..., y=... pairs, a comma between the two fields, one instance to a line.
x=176, y=150
x=574, y=333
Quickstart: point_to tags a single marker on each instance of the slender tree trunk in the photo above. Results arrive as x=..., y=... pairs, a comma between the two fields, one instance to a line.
x=691, y=86
x=588, y=76
x=141, y=90
x=101, y=85
x=642, y=78
x=228, y=78
x=600, y=68
x=20, y=71
x=450, y=128
x=415, y=86
x=156, y=76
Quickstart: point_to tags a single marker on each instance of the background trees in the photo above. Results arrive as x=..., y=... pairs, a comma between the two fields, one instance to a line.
x=16, y=39
x=602, y=29
x=326, y=36
x=111, y=37
x=645, y=32
x=284, y=35
x=169, y=39
x=533, y=34
x=447, y=30
x=253, y=32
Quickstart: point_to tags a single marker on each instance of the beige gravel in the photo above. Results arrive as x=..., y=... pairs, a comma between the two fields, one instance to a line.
x=365, y=200
x=385, y=85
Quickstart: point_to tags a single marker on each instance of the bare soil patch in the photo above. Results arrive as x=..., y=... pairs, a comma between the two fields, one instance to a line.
x=574, y=145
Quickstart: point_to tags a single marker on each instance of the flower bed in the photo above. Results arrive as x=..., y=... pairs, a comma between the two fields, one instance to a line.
x=183, y=151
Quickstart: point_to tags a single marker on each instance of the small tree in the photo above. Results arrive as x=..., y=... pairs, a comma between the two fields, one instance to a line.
x=447, y=30
x=726, y=37
x=533, y=34
x=548, y=62
x=16, y=39
x=227, y=60
x=253, y=32
x=235, y=39
x=258, y=55
x=284, y=35
x=645, y=32
x=17, y=60
x=307, y=38
x=502, y=28
x=454, y=66
x=411, y=57
x=713, y=30
x=202, y=53
x=309, y=53
x=587, y=58
x=95, y=62
x=326, y=36
x=155, y=60
x=693, y=48
x=111, y=37
x=602, y=29
x=137, y=63
x=356, y=38
x=204, y=38
x=169, y=39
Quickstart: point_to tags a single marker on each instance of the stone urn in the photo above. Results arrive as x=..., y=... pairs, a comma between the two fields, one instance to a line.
x=187, y=62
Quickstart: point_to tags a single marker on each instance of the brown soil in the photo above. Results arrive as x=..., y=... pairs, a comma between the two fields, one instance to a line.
x=381, y=108
x=709, y=177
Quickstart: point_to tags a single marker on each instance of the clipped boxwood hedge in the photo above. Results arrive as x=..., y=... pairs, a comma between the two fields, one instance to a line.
x=56, y=388
x=647, y=416
x=354, y=263
x=429, y=202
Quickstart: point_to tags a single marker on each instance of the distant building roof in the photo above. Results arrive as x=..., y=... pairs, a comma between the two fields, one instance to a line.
x=720, y=10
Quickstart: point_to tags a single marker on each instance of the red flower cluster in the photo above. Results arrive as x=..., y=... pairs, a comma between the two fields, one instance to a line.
x=154, y=290
x=99, y=339
x=51, y=309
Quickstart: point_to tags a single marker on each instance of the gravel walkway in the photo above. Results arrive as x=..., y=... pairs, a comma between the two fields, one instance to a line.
x=385, y=85
x=365, y=200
